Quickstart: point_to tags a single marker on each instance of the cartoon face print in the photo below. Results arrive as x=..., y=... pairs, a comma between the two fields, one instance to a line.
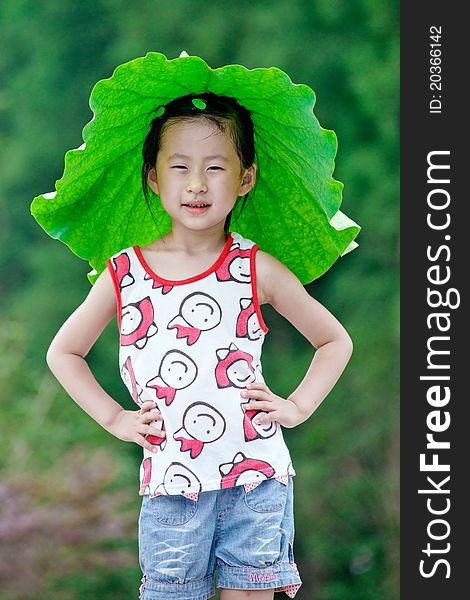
x=243, y=470
x=128, y=376
x=235, y=367
x=179, y=476
x=247, y=321
x=240, y=373
x=137, y=324
x=198, y=312
x=202, y=424
x=164, y=288
x=176, y=372
x=236, y=266
x=177, y=369
x=122, y=266
x=239, y=268
x=252, y=430
x=201, y=311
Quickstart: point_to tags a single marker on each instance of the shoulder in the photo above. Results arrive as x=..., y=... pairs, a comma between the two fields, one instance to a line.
x=85, y=324
x=274, y=279
x=287, y=295
x=103, y=290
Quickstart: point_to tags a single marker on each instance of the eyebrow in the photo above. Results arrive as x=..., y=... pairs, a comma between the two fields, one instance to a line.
x=212, y=157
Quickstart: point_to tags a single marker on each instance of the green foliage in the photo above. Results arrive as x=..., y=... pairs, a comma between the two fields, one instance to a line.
x=346, y=455
x=101, y=187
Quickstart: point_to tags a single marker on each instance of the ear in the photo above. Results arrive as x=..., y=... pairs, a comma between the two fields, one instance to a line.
x=152, y=180
x=248, y=180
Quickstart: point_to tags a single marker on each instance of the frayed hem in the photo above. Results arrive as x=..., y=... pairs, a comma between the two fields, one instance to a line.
x=269, y=578
x=200, y=589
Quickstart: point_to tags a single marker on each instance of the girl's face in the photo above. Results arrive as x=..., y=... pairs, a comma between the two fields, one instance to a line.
x=198, y=174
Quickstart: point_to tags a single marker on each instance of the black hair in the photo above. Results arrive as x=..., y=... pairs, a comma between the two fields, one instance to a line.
x=224, y=111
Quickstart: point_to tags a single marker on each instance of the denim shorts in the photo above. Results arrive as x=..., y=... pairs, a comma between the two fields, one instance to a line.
x=244, y=537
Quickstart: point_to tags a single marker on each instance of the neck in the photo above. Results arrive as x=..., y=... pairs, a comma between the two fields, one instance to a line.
x=197, y=242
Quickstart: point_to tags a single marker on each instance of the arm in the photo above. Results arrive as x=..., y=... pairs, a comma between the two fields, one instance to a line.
x=282, y=289
x=66, y=359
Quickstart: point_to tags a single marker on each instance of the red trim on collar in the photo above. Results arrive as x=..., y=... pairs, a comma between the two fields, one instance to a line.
x=208, y=271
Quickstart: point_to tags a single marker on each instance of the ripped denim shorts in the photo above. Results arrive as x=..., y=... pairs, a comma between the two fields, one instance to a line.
x=244, y=537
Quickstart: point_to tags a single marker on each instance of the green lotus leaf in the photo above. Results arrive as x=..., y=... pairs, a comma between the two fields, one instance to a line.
x=98, y=207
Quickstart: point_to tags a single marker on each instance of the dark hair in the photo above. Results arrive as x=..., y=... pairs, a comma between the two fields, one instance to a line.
x=224, y=111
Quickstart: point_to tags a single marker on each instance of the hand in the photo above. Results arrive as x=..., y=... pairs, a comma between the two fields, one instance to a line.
x=132, y=425
x=279, y=409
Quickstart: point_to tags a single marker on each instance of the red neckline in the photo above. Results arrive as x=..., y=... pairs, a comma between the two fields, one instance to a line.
x=211, y=269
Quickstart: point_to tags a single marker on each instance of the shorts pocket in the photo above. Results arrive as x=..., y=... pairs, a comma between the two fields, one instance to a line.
x=173, y=509
x=269, y=496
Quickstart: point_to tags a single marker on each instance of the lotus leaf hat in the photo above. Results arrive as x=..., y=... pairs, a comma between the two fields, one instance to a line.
x=98, y=206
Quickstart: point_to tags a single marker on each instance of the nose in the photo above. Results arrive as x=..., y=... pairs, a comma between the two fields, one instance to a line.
x=196, y=183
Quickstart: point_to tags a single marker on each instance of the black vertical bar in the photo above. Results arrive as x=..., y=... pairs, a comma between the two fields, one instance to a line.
x=434, y=266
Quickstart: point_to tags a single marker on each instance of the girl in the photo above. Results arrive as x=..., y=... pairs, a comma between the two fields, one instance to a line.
x=216, y=477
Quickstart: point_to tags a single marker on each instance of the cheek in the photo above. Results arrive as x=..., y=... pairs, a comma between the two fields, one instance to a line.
x=168, y=185
x=167, y=180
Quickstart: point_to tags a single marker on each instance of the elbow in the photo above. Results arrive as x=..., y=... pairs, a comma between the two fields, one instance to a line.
x=53, y=356
x=341, y=346
x=56, y=355
x=347, y=345
x=50, y=357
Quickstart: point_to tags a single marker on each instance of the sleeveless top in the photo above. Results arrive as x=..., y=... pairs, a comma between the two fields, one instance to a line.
x=191, y=346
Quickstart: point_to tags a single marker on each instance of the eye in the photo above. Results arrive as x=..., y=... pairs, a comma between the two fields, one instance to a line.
x=214, y=167
x=178, y=167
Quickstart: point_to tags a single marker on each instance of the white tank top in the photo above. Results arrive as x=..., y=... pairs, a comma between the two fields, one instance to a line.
x=191, y=346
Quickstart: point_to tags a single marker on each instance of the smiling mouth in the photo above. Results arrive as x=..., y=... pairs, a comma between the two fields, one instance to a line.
x=243, y=380
x=197, y=205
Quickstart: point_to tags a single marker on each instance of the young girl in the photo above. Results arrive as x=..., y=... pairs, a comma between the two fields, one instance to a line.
x=216, y=476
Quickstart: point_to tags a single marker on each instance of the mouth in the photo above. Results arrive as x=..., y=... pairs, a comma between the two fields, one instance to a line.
x=196, y=207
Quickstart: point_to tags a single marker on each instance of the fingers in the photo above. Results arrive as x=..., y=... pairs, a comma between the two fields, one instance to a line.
x=146, y=406
x=266, y=418
x=142, y=441
x=152, y=415
x=257, y=394
x=148, y=413
x=257, y=385
x=253, y=393
x=261, y=398
x=257, y=405
x=147, y=430
x=145, y=435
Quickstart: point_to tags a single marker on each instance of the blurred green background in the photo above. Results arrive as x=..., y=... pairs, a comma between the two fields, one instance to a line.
x=68, y=490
